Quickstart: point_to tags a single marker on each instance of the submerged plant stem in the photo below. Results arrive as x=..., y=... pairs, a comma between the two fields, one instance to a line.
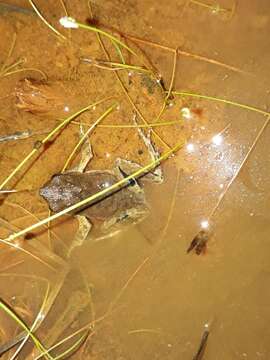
x=12, y=314
x=45, y=21
x=107, y=35
x=228, y=102
x=127, y=94
x=46, y=139
x=36, y=322
x=241, y=166
x=170, y=87
x=106, y=113
x=182, y=52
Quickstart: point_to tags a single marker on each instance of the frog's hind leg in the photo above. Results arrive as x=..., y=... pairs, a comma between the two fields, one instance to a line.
x=128, y=167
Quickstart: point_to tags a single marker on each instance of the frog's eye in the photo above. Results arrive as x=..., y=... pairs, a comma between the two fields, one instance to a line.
x=131, y=182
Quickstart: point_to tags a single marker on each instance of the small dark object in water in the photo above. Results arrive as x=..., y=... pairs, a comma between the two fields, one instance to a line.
x=200, y=352
x=199, y=242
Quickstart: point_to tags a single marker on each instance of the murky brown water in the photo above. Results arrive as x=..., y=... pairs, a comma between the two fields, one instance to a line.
x=148, y=297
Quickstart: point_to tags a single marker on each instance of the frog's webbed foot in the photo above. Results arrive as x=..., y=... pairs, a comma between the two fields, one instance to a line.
x=84, y=227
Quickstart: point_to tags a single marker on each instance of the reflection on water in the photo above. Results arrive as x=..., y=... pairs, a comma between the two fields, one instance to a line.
x=145, y=295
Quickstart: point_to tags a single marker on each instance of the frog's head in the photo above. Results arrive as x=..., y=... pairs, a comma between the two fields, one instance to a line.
x=60, y=192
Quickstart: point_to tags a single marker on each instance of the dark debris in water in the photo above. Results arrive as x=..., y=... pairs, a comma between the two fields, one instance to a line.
x=199, y=242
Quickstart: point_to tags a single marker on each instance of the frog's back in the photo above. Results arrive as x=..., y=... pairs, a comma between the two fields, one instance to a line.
x=67, y=189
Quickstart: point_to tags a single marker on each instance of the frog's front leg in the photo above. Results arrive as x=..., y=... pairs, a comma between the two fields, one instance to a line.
x=84, y=225
x=128, y=167
x=154, y=175
x=86, y=153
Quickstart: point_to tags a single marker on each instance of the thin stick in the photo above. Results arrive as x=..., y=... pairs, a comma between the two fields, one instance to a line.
x=170, y=87
x=136, y=126
x=106, y=34
x=12, y=314
x=66, y=339
x=9, y=53
x=139, y=331
x=173, y=74
x=8, y=68
x=26, y=69
x=170, y=214
x=216, y=8
x=113, y=66
x=45, y=21
x=228, y=102
x=124, y=88
x=47, y=227
x=64, y=7
x=112, y=304
x=182, y=52
x=107, y=112
x=16, y=246
x=47, y=138
x=36, y=322
x=138, y=111
x=240, y=167
x=98, y=195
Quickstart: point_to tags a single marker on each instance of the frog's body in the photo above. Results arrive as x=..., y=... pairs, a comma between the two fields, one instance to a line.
x=67, y=189
x=126, y=205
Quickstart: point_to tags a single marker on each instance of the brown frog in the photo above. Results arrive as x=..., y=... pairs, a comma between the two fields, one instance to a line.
x=67, y=189
x=126, y=205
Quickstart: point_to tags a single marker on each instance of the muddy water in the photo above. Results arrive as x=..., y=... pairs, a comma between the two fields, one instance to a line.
x=156, y=297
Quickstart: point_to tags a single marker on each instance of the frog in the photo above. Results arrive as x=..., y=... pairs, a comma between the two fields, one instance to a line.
x=108, y=215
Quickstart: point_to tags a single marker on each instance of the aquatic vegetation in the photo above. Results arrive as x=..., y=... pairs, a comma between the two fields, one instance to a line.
x=134, y=100
x=38, y=145
x=55, y=31
x=15, y=67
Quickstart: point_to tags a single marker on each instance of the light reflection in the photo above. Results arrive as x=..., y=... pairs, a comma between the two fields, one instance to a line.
x=190, y=147
x=66, y=108
x=68, y=22
x=217, y=139
x=41, y=316
x=204, y=224
x=186, y=113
